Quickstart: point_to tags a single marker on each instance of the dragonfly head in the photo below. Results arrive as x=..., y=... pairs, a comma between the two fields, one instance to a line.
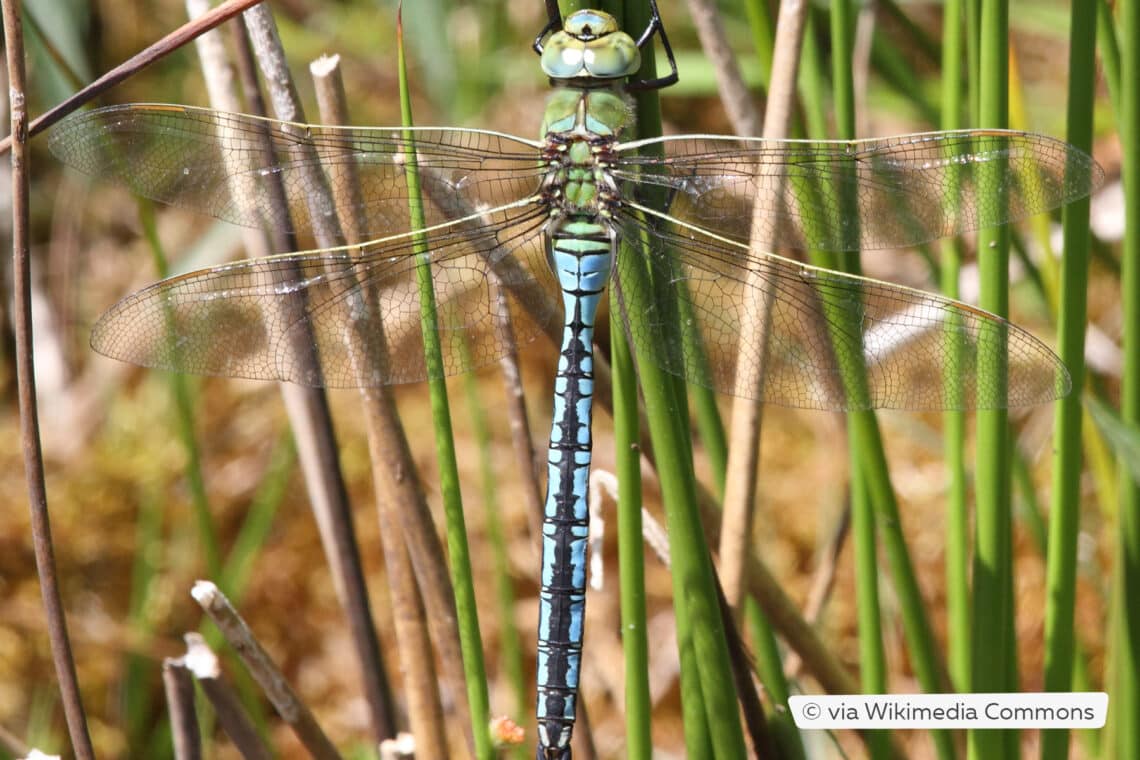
x=590, y=48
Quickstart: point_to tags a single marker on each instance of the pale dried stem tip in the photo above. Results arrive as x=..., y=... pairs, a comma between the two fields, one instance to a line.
x=261, y=666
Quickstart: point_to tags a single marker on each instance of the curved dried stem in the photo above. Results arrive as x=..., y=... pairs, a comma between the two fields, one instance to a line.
x=26, y=390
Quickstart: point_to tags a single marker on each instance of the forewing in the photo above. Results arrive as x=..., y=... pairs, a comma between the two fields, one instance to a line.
x=347, y=317
x=230, y=166
x=907, y=190
x=760, y=326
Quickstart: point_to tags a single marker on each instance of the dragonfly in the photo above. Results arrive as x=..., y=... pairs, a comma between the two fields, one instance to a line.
x=537, y=231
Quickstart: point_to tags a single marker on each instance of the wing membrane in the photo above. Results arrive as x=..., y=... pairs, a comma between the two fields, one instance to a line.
x=346, y=317
x=907, y=190
x=228, y=165
x=820, y=339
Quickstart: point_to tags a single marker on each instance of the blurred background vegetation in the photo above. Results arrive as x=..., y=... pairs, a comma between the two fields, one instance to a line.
x=122, y=479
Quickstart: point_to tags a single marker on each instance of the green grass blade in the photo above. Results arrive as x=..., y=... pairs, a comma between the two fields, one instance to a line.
x=184, y=413
x=459, y=555
x=1109, y=50
x=1064, y=513
x=259, y=517
x=510, y=645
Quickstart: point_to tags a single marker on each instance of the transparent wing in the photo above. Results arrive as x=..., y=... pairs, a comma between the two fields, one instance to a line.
x=346, y=317
x=760, y=326
x=906, y=190
x=228, y=165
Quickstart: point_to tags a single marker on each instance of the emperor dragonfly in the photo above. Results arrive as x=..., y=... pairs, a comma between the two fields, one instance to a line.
x=536, y=230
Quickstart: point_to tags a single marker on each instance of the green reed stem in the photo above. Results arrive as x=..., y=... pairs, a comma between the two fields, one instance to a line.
x=1127, y=657
x=954, y=420
x=466, y=609
x=813, y=83
x=993, y=611
x=1064, y=513
x=872, y=662
x=631, y=555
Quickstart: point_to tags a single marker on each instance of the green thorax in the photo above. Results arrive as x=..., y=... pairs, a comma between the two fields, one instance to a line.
x=582, y=125
x=602, y=111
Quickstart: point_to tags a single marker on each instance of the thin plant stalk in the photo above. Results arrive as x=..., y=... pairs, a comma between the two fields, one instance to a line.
x=954, y=420
x=631, y=555
x=993, y=604
x=1127, y=654
x=779, y=47
x=517, y=417
x=228, y=708
x=770, y=669
x=1064, y=512
x=459, y=554
x=742, y=465
x=1047, y=277
x=42, y=548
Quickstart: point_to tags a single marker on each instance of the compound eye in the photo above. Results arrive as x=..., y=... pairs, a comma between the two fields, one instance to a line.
x=615, y=56
x=562, y=57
